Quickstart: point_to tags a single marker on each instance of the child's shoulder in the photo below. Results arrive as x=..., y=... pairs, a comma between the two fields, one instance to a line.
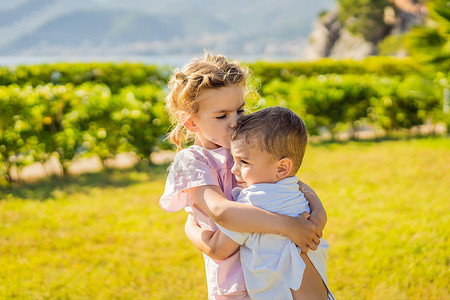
x=197, y=153
x=191, y=158
x=191, y=153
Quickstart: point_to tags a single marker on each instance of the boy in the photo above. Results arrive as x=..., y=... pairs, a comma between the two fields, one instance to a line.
x=268, y=148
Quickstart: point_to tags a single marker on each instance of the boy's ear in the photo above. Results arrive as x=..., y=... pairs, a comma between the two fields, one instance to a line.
x=284, y=166
x=188, y=122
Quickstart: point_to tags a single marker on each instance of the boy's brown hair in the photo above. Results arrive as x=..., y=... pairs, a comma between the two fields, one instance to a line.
x=276, y=130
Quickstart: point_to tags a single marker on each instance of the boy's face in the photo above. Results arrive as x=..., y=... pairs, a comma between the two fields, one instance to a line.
x=252, y=165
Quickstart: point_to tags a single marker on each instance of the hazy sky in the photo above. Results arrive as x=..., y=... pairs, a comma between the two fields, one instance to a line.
x=27, y=27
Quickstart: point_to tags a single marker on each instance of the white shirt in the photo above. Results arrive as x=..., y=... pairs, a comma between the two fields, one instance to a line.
x=271, y=263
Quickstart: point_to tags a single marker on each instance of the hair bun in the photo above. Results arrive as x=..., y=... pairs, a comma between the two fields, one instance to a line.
x=180, y=76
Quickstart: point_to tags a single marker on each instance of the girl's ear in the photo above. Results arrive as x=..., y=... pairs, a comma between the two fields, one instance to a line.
x=284, y=167
x=188, y=122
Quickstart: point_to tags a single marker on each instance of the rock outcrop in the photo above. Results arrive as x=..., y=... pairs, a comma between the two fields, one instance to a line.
x=331, y=38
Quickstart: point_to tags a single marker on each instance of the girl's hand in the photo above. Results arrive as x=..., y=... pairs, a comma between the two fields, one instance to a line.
x=190, y=224
x=318, y=214
x=318, y=219
x=215, y=244
x=304, y=233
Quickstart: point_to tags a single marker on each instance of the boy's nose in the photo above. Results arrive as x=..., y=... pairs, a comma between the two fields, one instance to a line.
x=234, y=169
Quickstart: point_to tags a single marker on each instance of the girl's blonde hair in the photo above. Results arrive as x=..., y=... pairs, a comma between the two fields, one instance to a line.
x=209, y=72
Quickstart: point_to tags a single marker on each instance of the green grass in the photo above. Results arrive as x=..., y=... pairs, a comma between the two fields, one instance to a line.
x=103, y=236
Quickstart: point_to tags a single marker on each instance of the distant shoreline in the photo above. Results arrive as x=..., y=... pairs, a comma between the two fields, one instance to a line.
x=171, y=60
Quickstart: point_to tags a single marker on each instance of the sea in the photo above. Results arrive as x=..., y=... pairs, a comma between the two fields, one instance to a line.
x=161, y=60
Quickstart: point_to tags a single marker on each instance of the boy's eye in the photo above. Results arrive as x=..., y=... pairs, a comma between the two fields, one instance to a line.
x=221, y=117
x=244, y=162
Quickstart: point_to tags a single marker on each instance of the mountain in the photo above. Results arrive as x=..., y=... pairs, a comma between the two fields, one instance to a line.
x=149, y=27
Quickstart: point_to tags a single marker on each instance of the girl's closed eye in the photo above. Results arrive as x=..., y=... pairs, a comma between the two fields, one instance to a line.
x=221, y=117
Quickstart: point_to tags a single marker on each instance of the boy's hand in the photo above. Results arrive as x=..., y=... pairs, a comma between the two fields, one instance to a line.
x=305, y=234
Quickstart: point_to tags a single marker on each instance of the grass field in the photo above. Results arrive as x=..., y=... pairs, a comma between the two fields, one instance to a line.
x=103, y=236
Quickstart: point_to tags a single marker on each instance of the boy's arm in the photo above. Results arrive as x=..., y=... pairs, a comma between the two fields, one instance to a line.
x=247, y=218
x=318, y=214
x=216, y=244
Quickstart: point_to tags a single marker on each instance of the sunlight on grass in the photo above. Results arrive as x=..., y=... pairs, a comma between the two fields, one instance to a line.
x=103, y=236
x=387, y=206
x=104, y=243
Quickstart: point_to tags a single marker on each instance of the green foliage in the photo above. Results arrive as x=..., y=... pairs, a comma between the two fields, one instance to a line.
x=286, y=71
x=142, y=118
x=102, y=113
x=114, y=75
x=403, y=104
x=443, y=81
x=21, y=123
x=365, y=17
x=76, y=121
x=336, y=101
x=430, y=44
x=392, y=45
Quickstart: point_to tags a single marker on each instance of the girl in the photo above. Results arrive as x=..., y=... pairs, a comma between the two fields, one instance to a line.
x=206, y=98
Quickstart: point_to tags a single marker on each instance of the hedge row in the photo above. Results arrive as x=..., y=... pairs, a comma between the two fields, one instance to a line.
x=88, y=119
x=106, y=109
x=78, y=120
x=351, y=101
x=115, y=76
x=380, y=66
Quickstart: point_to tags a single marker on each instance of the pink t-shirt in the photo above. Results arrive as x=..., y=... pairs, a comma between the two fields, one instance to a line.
x=193, y=167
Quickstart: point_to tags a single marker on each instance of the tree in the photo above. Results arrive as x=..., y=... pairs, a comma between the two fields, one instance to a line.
x=430, y=43
x=365, y=17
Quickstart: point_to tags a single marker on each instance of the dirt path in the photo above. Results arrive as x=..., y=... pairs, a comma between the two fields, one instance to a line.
x=92, y=164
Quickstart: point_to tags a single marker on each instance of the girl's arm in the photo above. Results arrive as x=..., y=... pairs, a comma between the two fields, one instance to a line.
x=216, y=244
x=318, y=214
x=246, y=218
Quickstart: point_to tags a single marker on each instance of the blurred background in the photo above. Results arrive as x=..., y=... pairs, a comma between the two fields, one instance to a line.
x=155, y=31
x=84, y=155
x=159, y=31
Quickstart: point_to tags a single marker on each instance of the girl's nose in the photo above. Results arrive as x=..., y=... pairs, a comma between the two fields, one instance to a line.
x=234, y=122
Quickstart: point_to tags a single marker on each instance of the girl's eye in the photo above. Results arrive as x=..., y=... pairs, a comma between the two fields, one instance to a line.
x=221, y=117
x=240, y=111
x=244, y=162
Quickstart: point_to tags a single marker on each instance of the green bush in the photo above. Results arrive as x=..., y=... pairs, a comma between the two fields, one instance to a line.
x=340, y=101
x=142, y=118
x=21, y=120
x=77, y=121
x=75, y=110
x=380, y=66
x=115, y=76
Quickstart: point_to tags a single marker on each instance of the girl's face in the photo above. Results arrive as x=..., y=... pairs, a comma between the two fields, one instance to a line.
x=219, y=111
